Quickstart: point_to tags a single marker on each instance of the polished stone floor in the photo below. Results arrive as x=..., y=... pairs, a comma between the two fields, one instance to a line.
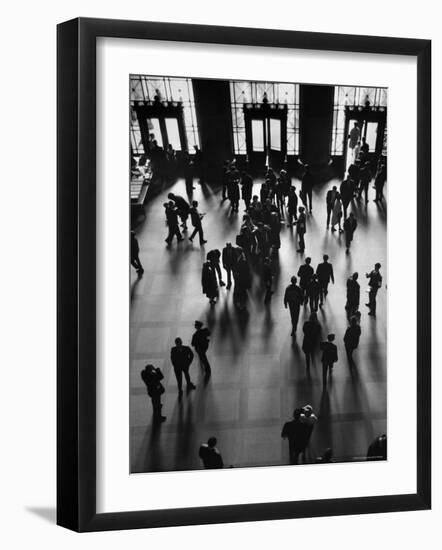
x=258, y=370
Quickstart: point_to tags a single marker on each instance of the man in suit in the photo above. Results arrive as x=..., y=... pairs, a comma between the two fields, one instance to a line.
x=210, y=455
x=152, y=377
x=324, y=271
x=181, y=358
x=350, y=226
x=172, y=222
x=196, y=218
x=134, y=254
x=293, y=298
x=200, y=341
x=329, y=357
x=229, y=258
x=375, y=283
x=330, y=200
x=305, y=274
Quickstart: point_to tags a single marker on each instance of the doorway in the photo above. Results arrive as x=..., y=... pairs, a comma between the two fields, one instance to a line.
x=266, y=136
x=371, y=125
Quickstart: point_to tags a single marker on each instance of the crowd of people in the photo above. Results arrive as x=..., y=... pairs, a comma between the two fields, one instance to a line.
x=255, y=250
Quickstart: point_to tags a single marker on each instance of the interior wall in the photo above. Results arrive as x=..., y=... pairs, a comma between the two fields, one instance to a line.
x=212, y=102
x=316, y=124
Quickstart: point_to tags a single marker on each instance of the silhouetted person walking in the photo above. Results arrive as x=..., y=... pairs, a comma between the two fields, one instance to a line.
x=172, y=223
x=379, y=183
x=346, y=192
x=181, y=358
x=292, y=206
x=353, y=295
x=324, y=271
x=337, y=213
x=196, y=218
x=330, y=201
x=365, y=179
x=200, y=341
x=229, y=258
x=209, y=282
x=351, y=339
x=375, y=283
x=188, y=175
x=350, y=226
x=301, y=228
x=329, y=357
x=152, y=377
x=210, y=455
x=312, y=331
x=307, y=188
x=214, y=257
x=267, y=277
x=134, y=254
x=182, y=207
x=293, y=298
x=313, y=291
x=246, y=188
x=305, y=274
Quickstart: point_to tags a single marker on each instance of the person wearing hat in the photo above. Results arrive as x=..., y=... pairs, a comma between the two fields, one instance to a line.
x=329, y=357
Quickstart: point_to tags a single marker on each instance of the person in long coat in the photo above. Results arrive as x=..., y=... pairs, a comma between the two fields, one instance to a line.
x=337, y=213
x=243, y=280
x=209, y=282
x=351, y=339
x=350, y=225
x=312, y=332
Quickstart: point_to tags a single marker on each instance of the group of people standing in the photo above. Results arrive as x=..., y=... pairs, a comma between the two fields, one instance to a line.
x=255, y=247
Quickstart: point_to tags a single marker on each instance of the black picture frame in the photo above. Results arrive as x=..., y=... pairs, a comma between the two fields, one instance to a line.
x=76, y=273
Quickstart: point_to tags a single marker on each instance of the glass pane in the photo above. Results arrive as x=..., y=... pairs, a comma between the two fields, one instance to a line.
x=290, y=144
x=286, y=93
x=156, y=87
x=173, y=134
x=178, y=89
x=136, y=91
x=275, y=134
x=372, y=133
x=154, y=128
x=384, y=144
x=258, y=135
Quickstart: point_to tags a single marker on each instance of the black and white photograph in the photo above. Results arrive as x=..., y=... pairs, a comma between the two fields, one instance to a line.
x=258, y=276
